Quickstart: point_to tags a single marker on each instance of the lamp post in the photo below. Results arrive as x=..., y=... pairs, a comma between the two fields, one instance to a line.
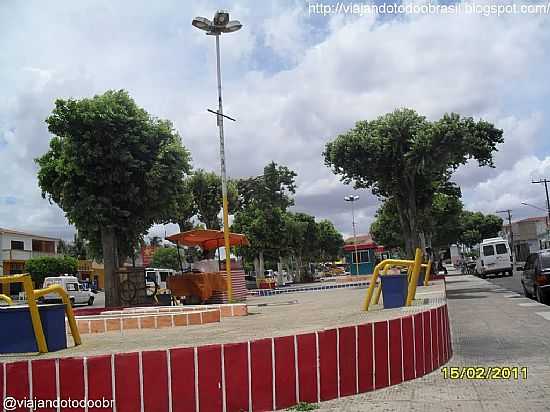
x=352, y=199
x=221, y=24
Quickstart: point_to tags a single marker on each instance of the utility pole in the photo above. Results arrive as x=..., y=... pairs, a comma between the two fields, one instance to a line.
x=545, y=181
x=509, y=212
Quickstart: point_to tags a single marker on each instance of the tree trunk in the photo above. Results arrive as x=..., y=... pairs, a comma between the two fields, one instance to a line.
x=261, y=266
x=108, y=241
x=412, y=233
x=257, y=266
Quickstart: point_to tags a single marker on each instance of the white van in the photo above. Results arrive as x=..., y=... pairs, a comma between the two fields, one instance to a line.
x=158, y=276
x=494, y=257
x=77, y=295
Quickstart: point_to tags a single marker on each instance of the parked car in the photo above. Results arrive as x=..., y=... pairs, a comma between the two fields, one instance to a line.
x=77, y=294
x=494, y=257
x=535, y=277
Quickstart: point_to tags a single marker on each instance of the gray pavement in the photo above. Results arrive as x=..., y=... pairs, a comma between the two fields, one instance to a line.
x=491, y=326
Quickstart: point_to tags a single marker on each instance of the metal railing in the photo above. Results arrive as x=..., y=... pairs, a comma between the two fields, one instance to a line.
x=32, y=295
x=413, y=272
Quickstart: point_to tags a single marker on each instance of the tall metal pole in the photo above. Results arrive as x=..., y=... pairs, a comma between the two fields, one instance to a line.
x=354, y=237
x=545, y=181
x=509, y=212
x=224, y=177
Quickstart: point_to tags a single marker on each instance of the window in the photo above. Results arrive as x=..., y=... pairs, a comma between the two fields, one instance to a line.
x=43, y=246
x=151, y=277
x=163, y=276
x=501, y=249
x=72, y=287
x=17, y=245
x=544, y=259
x=488, y=250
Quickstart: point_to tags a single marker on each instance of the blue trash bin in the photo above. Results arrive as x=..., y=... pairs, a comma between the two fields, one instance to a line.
x=420, y=279
x=394, y=290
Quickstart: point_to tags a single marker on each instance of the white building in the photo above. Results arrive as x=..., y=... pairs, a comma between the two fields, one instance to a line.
x=530, y=235
x=18, y=247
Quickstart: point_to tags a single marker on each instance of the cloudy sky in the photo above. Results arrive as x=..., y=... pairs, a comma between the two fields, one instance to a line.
x=292, y=78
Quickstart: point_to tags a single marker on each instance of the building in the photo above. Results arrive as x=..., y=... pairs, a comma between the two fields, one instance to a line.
x=530, y=235
x=18, y=247
x=368, y=254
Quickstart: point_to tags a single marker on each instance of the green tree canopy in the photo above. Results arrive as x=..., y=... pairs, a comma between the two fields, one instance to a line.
x=475, y=226
x=114, y=170
x=402, y=155
x=42, y=267
x=330, y=241
x=206, y=190
x=167, y=258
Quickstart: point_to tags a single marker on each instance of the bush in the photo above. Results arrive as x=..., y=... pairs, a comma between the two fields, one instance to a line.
x=42, y=267
x=166, y=258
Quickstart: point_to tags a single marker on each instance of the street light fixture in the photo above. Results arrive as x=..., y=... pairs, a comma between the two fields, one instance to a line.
x=352, y=199
x=221, y=24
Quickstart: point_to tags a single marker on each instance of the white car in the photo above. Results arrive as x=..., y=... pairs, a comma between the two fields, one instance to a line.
x=494, y=257
x=77, y=295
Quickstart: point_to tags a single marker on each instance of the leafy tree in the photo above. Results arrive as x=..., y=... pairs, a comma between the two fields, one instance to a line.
x=330, y=241
x=42, y=267
x=114, y=170
x=186, y=208
x=402, y=155
x=167, y=258
x=263, y=201
x=206, y=189
x=155, y=241
x=475, y=226
x=386, y=229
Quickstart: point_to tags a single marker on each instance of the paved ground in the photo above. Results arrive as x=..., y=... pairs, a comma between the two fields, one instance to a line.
x=268, y=316
x=491, y=326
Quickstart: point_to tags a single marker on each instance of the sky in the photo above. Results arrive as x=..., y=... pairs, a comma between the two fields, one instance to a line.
x=294, y=79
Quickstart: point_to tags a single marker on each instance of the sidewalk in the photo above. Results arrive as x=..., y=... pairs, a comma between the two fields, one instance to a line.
x=491, y=326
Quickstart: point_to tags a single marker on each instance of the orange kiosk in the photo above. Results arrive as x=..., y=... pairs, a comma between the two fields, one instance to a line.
x=208, y=283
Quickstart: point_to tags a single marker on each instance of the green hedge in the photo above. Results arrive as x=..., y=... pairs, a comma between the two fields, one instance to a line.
x=42, y=267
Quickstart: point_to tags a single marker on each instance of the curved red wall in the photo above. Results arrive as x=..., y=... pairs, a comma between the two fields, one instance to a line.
x=260, y=375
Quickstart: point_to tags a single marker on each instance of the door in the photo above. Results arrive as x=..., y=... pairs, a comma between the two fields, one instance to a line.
x=529, y=273
x=489, y=258
x=502, y=255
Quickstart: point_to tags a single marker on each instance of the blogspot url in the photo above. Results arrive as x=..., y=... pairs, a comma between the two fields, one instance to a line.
x=484, y=9
x=34, y=404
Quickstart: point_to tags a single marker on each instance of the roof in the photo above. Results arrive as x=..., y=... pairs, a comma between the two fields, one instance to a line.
x=17, y=232
x=360, y=239
x=207, y=239
x=361, y=246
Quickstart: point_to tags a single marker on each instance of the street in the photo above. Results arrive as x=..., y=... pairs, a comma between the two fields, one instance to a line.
x=491, y=326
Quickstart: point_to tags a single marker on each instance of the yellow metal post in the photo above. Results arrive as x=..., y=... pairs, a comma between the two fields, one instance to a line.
x=415, y=274
x=379, y=288
x=428, y=272
x=375, y=274
x=6, y=298
x=35, y=315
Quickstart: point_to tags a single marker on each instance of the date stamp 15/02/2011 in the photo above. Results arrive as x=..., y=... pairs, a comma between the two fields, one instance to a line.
x=485, y=372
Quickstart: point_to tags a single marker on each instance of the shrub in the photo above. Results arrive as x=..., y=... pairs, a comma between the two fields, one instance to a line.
x=42, y=267
x=166, y=258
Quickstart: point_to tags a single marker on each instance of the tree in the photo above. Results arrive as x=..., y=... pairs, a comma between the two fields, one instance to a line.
x=330, y=241
x=263, y=202
x=475, y=226
x=206, y=189
x=403, y=156
x=114, y=170
x=42, y=267
x=386, y=229
x=166, y=258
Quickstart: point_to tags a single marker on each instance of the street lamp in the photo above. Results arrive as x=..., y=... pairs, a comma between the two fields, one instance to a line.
x=352, y=199
x=221, y=24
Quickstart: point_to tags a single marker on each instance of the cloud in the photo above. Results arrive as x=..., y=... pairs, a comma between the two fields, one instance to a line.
x=293, y=82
